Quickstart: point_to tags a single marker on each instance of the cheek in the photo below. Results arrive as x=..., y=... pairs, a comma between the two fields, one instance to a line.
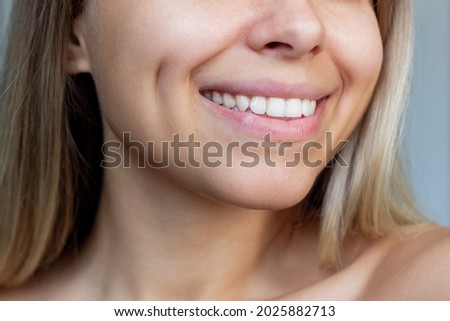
x=151, y=48
x=177, y=33
x=357, y=49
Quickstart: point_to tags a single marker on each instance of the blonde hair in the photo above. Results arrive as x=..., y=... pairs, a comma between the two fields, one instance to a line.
x=50, y=146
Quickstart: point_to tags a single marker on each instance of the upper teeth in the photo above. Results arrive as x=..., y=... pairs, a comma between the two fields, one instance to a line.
x=271, y=106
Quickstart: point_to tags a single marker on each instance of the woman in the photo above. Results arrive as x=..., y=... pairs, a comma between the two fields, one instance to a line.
x=200, y=110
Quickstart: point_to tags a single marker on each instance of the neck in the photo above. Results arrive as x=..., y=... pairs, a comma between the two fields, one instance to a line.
x=156, y=240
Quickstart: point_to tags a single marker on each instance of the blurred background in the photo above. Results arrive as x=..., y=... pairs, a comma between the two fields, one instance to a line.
x=427, y=133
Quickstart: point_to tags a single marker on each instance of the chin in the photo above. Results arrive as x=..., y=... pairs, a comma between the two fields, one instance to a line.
x=274, y=204
x=259, y=193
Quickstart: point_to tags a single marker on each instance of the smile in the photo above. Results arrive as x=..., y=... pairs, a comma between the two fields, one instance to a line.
x=268, y=106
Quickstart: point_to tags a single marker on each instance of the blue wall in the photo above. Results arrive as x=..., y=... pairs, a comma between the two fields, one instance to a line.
x=427, y=134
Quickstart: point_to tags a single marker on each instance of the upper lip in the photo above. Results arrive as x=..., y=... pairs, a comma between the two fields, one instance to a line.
x=270, y=88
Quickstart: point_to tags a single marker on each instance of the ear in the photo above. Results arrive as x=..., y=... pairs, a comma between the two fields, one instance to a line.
x=78, y=60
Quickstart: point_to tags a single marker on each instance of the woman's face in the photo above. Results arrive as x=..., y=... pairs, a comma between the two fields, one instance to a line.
x=165, y=67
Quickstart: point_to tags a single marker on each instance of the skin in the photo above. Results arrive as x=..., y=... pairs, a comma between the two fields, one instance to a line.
x=149, y=62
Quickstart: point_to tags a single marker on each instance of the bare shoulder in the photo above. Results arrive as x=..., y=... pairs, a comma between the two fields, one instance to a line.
x=416, y=266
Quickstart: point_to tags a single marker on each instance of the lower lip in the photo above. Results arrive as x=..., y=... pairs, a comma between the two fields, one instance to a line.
x=297, y=129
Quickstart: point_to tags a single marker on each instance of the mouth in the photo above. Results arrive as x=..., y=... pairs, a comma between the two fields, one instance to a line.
x=272, y=107
x=288, y=112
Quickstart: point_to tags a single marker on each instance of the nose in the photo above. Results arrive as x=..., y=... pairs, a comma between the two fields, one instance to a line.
x=289, y=29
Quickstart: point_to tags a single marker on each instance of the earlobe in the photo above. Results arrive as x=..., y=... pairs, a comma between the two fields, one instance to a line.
x=77, y=60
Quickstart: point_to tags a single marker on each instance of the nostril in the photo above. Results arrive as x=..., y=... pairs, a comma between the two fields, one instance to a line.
x=316, y=49
x=276, y=45
x=272, y=45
